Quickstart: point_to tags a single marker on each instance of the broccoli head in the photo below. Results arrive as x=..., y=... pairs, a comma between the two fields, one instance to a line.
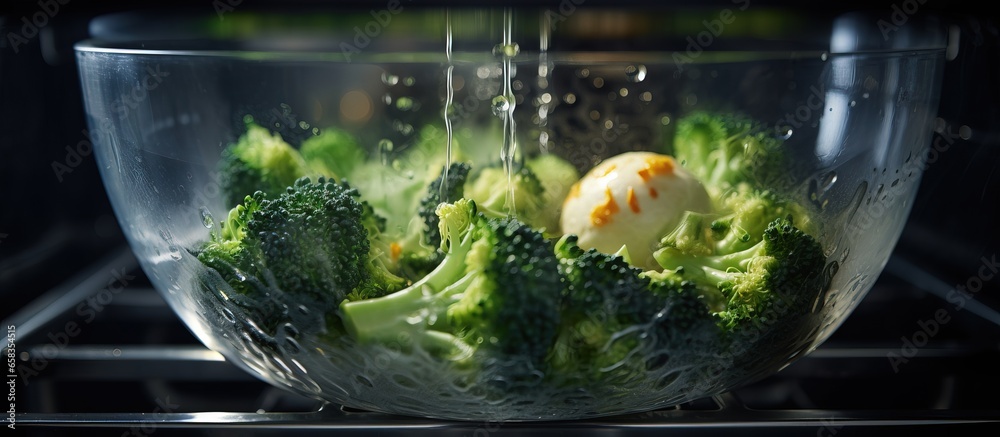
x=784, y=267
x=722, y=150
x=333, y=153
x=615, y=316
x=258, y=161
x=490, y=187
x=444, y=189
x=311, y=246
x=556, y=176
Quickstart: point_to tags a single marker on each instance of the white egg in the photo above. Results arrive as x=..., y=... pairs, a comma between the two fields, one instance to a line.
x=631, y=200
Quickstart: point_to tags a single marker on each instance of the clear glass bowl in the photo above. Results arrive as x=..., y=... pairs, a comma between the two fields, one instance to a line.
x=857, y=124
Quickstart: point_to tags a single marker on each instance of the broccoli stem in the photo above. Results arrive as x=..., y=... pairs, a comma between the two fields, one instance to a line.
x=413, y=310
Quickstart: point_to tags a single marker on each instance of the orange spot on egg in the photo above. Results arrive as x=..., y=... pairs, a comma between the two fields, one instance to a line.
x=657, y=165
x=653, y=193
x=601, y=214
x=633, y=202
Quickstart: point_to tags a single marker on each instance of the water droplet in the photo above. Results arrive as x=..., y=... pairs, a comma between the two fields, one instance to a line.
x=786, y=133
x=384, y=149
x=405, y=128
x=569, y=98
x=859, y=196
x=315, y=131
x=832, y=269
x=853, y=103
x=206, y=218
x=116, y=352
x=228, y=315
x=595, y=115
x=175, y=252
x=303, y=125
x=894, y=183
x=623, y=92
x=138, y=158
x=864, y=96
x=404, y=103
x=500, y=106
x=828, y=180
x=506, y=50
x=635, y=73
x=965, y=132
x=409, y=81
x=665, y=120
x=292, y=346
x=598, y=82
x=583, y=72
x=389, y=79
x=646, y=96
x=248, y=118
x=824, y=56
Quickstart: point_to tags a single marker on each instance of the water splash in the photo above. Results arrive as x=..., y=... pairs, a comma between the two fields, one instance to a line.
x=505, y=103
x=449, y=98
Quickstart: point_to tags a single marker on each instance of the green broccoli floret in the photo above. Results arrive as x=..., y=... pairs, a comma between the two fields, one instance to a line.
x=310, y=242
x=495, y=295
x=454, y=189
x=556, y=176
x=786, y=264
x=333, y=153
x=490, y=185
x=748, y=211
x=309, y=247
x=722, y=150
x=615, y=316
x=418, y=252
x=258, y=161
x=739, y=223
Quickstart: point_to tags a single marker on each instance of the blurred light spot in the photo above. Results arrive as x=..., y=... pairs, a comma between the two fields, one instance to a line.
x=965, y=132
x=356, y=106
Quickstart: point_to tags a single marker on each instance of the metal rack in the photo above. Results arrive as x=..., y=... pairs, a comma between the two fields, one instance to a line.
x=135, y=368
